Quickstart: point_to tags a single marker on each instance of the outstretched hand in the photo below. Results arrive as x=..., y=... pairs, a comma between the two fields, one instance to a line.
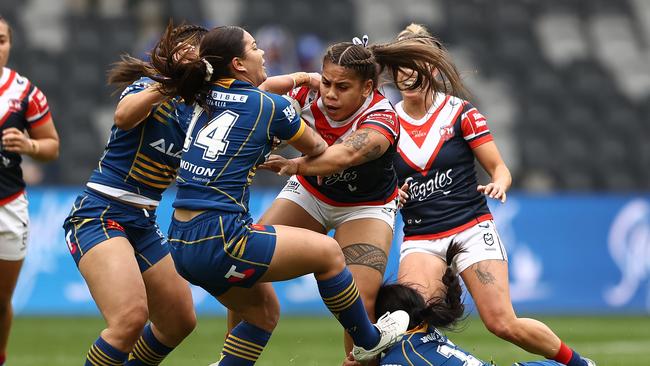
x=280, y=165
x=403, y=195
x=493, y=190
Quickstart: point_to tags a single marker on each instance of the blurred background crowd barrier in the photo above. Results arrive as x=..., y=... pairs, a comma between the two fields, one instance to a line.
x=565, y=85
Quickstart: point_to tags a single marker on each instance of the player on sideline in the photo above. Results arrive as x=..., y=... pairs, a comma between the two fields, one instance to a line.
x=357, y=195
x=23, y=107
x=111, y=231
x=440, y=136
x=424, y=343
x=213, y=241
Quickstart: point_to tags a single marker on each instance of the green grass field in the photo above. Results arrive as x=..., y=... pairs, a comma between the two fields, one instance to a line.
x=307, y=341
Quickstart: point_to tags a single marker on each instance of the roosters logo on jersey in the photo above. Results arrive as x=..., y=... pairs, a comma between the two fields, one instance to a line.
x=344, y=176
x=167, y=150
x=14, y=106
x=447, y=132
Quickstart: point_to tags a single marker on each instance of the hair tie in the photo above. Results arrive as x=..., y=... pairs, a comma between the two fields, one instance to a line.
x=361, y=42
x=209, y=70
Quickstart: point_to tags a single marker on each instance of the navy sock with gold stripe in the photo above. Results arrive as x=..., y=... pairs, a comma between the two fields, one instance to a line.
x=243, y=345
x=341, y=296
x=103, y=354
x=148, y=351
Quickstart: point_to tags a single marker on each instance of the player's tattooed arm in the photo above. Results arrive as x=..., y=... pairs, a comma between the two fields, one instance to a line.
x=365, y=145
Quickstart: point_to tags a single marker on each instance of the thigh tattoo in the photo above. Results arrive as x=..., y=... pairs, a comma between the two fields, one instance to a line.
x=366, y=255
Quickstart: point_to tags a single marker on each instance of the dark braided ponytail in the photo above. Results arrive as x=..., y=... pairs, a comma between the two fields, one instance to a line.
x=441, y=312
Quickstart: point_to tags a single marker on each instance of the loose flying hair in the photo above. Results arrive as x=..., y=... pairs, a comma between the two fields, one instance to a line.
x=189, y=77
x=2, y=19
x=130, y=69
x=441, y=312
x=413, y=53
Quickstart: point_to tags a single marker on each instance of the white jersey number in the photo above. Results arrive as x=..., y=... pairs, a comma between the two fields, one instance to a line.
x=468, y=360
x=212, y=137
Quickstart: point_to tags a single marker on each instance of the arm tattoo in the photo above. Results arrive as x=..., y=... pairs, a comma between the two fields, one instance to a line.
x=484, y=275
x=366, y=255
x=360, y=141
x=357, y=140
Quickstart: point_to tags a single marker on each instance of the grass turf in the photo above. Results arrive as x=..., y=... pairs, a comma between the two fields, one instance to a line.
x=308, y=341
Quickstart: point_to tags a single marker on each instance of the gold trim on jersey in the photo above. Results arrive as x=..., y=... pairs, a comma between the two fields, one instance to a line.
x=225, y=83
x=239, y=248
x=300, y=132
x=150, y=172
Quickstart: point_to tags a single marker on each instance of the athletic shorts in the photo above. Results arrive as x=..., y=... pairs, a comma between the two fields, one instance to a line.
x=14, y=229
x=332, y=217
x=218, y=250
x=95, y=218
x=480, y=242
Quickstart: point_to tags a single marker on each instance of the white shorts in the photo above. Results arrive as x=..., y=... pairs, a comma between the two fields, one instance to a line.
x=480, y=242
x=332, y=217
x=14, y=226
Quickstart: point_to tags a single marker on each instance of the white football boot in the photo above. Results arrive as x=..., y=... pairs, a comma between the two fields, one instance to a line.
x=391, y=327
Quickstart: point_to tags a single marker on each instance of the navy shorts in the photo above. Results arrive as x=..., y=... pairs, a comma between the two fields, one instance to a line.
x=218, y=250
x=95, y=218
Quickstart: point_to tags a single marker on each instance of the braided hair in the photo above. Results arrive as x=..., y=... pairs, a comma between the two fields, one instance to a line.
x=441, y=312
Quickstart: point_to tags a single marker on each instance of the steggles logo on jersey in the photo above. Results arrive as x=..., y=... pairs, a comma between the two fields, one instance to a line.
x=344, y=176
x=421, y=191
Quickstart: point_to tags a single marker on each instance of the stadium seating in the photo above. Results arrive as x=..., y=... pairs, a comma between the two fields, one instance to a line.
x=577, y=71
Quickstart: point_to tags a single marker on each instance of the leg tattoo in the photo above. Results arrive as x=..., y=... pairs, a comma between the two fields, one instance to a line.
x=366, y=255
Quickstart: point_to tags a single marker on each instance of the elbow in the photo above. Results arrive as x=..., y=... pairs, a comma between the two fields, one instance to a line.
x=121, y=120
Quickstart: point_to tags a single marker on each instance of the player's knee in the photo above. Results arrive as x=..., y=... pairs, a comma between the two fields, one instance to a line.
x=128, y=324
x=333, y=255
x=265, y=315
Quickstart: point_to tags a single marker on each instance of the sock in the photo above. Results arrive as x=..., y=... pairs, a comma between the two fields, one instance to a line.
x=569, y=357
x=148, y=351
x=3, y=358
x=243, y=345
x=341, y=296
x=103, y=354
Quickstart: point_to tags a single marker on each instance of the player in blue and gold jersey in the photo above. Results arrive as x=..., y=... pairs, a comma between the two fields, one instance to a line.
x=112, y=233
x=424, y=344
x=213, y=241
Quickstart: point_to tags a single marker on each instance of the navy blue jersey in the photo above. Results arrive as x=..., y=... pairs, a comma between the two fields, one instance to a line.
x=423, y=347
x=23, y=106
x=435, y=157
x=144, y=159
x=226, y=142
x=370, y=183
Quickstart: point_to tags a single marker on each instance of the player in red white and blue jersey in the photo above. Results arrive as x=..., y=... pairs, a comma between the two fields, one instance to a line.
x=356, y=195
x=111, y=230
x=26, y=128
x=213, y=240
x=441, y=135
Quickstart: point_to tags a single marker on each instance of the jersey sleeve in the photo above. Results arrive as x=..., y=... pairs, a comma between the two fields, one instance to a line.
x=474, y=127
x=300, y=94
x=384, y=122
x=38, y=110
x=286, y=123
x=136, y=87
